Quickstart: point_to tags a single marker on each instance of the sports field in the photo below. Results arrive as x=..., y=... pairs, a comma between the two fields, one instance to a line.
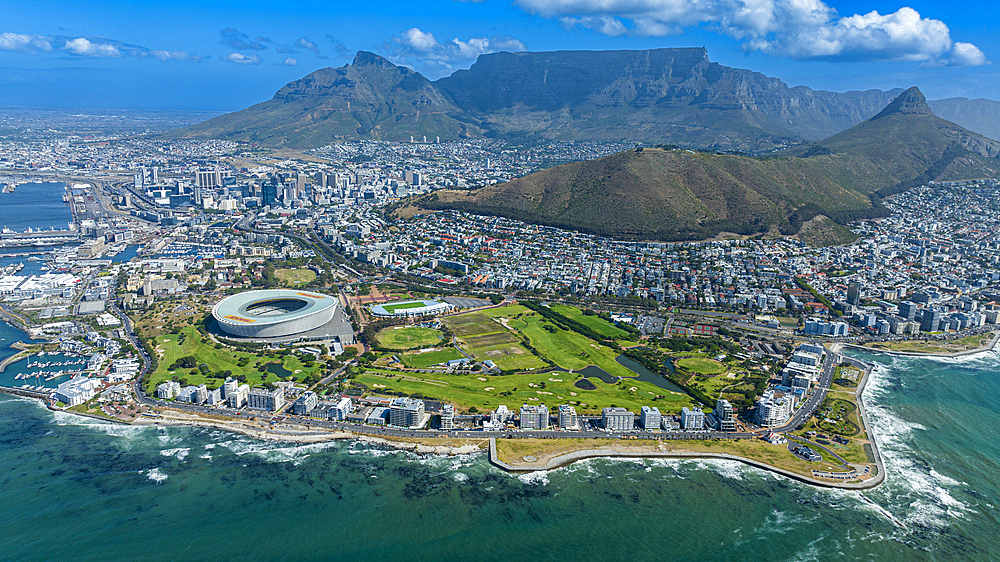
x=416, y=360
x=486, y=339
x=595, y=323
x=292, y=277
x=487, y=392
x=402, y=306
x=701, y=365
x=408, y=337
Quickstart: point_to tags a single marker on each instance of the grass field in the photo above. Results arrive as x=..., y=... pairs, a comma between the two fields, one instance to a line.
x=595, y=323
x=484, y=338
x=569, y=349
x=467, y=390
x=402, y=306
x=513, y=451
x=842, y=410
x=292, y=277
x=473, y=324
x=408, y=337
x=701, y=365
x=967, y=343
x=170, y=348
x=424, y=360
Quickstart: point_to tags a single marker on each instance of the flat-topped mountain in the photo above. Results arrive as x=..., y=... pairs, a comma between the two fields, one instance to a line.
x=686, y=195
x=673, y=96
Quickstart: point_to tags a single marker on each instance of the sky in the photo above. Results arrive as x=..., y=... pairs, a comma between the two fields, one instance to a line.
x=227, y=55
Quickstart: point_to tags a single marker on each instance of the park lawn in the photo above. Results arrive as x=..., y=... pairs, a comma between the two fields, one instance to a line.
x=428, y=358
x=292, y=277
x=408, y=337
x=513, y=451
x=225, y=359
x=701, y=365
x=967, y=343
x=595, y=323
x=467, y=390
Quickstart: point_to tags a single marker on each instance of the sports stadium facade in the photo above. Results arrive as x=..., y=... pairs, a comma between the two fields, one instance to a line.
x=273, y=313
x=411, y=309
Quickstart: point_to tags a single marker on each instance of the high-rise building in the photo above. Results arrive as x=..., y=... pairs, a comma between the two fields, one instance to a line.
x=340, y=409
x=930, y=320
x=567, y=417
x=650, y=418
x=406, y=412
x=908, y=310
x=724, y=415
x=692, y=419
x=773, y=409
x=854, y=293
x=263, y=399
x=534, y=417
x=270, y=192
x=617, y=419
x=448, y=417
x=305, y=403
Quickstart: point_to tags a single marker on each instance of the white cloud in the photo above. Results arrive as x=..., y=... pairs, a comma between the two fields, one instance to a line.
x=966, y=54
x=24, y=43
x=418, y=40
x=290, y=62
x=306, y=44
x=86, y=48
x=802, y=29
x=175, y=55
x=240, y=58
x=422, y=50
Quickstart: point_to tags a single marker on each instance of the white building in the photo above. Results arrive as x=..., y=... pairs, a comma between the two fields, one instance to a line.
x=773, y=408
x=617, y=419
x=77, y=390
x=448, y=417
x=650, y=418
x=567, y=417
x=534, y=417
x=692, y=419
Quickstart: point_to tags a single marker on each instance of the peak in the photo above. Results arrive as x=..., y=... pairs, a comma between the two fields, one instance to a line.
x=910, y=102
x=365, y=58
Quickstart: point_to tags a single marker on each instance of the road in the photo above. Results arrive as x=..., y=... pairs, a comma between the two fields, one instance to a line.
x=816, y=398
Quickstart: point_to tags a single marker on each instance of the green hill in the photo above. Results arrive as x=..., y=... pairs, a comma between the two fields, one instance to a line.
x=686, y=195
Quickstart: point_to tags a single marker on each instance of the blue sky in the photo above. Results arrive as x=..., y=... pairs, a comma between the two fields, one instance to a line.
x=224, y=56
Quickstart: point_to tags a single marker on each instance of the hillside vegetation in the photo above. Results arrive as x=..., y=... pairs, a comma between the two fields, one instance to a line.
x=686, y=195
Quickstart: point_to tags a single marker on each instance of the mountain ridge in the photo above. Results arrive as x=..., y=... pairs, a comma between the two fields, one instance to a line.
x=675, y=96
x=683, y=195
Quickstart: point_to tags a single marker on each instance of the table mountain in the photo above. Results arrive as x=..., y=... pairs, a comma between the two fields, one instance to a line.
x=669, y=96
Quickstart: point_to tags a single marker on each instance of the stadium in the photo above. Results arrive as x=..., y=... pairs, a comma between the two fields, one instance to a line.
x=273, y=313
x=410, y=309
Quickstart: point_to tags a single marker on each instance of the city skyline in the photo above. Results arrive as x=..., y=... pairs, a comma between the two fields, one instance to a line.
x=226, y=56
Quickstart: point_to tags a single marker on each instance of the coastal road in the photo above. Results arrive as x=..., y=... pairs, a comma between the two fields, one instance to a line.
x=816, y=398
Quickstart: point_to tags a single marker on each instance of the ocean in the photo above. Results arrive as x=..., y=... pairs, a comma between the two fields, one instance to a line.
x=36, y=206
x=80, y=488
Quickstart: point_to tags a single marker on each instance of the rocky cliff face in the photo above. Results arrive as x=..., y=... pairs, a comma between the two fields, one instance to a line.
x=660, y=96
x=656, y=94
x=981, y=116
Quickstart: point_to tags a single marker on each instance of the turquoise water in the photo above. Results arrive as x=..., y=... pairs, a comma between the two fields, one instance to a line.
x=85, y=489
x=35, y=205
